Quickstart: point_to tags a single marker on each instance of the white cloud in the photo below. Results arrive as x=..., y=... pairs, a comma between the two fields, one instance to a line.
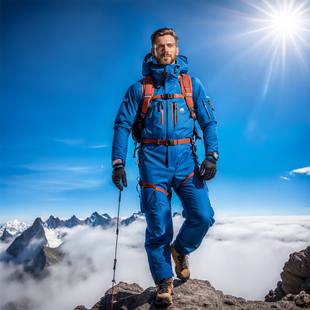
x=284, y=178
x=71, y=142
x=240, y=256
x=305, y=170
x=98, y=146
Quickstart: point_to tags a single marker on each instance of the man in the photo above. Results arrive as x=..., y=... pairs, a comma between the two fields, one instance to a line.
x=167, y=159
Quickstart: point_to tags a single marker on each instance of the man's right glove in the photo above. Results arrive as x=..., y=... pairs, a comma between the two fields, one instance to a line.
x=208, y=168
x=119, y=174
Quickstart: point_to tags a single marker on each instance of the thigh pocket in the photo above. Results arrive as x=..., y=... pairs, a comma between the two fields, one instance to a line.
x=148, y=199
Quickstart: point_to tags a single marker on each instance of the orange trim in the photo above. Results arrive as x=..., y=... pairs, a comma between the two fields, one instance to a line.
x=176, y=113
x=164, y=142
x=192, y=174
x=162, y=113
x=172, y=114
x=155, y=188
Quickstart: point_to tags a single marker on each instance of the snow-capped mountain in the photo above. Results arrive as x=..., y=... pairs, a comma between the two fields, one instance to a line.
x=55, y=222
x=29, y=243
x=94, y=220
x=134, y=217
x=39, y=245
x=98, y=220
x=12, y=229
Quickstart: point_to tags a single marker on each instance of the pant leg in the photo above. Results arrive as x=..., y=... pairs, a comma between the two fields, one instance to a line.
x=156, y=207
x=159, y=232
x=198, y=215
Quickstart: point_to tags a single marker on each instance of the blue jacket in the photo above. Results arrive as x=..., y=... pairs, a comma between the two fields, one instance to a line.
x=165, y=119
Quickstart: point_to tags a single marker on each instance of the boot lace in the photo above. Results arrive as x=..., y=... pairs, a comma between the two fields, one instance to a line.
x=162, y=286
x=183, y=260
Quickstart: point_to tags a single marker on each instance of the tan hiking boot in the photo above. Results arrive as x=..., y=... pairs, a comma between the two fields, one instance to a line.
x=164, y=291
x=181, y=264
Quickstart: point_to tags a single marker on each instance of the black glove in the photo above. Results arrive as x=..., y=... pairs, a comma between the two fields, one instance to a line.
x=208, y=168
x=119, y=174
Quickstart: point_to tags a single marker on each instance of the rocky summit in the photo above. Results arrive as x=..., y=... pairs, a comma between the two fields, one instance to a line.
x=295, y=284
x=192, y=295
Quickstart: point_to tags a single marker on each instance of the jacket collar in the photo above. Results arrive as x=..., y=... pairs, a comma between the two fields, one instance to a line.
x=164, y=73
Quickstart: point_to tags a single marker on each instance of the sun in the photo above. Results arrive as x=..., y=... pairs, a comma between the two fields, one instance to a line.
x=281, y=27
x=285, y=23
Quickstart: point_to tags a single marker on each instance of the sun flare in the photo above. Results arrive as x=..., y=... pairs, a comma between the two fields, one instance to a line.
x=285, y=22
x=281, y=28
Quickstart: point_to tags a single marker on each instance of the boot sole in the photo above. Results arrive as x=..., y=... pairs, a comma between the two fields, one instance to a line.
x=182, y=279
x=163, y=302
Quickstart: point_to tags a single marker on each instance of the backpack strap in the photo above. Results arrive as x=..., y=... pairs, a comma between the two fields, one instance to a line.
x=147, y=92
x=187, y=91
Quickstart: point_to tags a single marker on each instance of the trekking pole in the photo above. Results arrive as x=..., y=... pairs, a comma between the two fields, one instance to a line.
x=115, y=259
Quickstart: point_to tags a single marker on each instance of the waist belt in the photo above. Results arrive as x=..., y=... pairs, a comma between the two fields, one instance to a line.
x=167, y=142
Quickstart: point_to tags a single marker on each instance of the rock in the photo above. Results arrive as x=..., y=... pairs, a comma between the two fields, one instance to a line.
x=291, y=283
x=296, y=274
x=306, y=286
x=298, y=264
x=302, y=300
x=191, y=295
x=295, y=277
x=275, y=295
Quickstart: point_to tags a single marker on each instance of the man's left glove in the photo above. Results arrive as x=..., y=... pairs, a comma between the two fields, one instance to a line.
x=208, y=168
x=119, y=174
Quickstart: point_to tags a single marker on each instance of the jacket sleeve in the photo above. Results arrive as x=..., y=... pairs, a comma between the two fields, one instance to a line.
x=124, y=120
x=205, y=116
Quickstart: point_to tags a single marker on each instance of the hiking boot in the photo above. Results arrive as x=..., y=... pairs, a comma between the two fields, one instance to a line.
x=181, y=264
x=164, y=291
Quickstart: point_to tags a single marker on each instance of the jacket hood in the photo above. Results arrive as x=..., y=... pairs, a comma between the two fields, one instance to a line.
x=150, y=66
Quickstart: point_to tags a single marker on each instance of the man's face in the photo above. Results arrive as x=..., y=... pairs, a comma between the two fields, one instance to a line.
x=165, y=50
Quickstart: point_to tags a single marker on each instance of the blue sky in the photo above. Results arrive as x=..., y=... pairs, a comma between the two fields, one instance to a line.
x=66, y=65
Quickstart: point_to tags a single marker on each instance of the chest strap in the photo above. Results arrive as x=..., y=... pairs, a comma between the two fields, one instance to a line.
x=167, y=142
x=167, y=96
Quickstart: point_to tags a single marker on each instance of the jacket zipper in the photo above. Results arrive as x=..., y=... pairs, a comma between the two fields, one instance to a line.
x=205, y=105
x=162, y=113
x=176, y=112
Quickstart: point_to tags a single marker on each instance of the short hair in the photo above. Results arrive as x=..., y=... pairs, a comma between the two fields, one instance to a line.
x=163, y=32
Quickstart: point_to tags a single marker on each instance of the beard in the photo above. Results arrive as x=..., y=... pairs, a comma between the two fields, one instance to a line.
x=166, y=59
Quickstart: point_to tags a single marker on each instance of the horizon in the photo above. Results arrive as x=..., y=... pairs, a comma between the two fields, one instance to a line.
x=66, y=65
x=217, y=218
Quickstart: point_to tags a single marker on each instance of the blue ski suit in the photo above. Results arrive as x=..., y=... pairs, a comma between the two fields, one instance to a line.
x=168, y=167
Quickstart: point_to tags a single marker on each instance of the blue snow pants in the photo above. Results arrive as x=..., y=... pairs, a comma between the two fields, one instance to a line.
x=168, y=167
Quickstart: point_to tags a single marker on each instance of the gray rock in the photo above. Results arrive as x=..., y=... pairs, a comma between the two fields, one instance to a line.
x=302, y=300
x=306, y=286
x=191, y=295
x=291, y=283
x=298, y=264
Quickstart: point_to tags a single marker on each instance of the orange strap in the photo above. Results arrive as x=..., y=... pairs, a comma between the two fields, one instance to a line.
x=192, y=174
x=187, y=90
x=147, y=92
x=154, y=187
x=167, y=142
